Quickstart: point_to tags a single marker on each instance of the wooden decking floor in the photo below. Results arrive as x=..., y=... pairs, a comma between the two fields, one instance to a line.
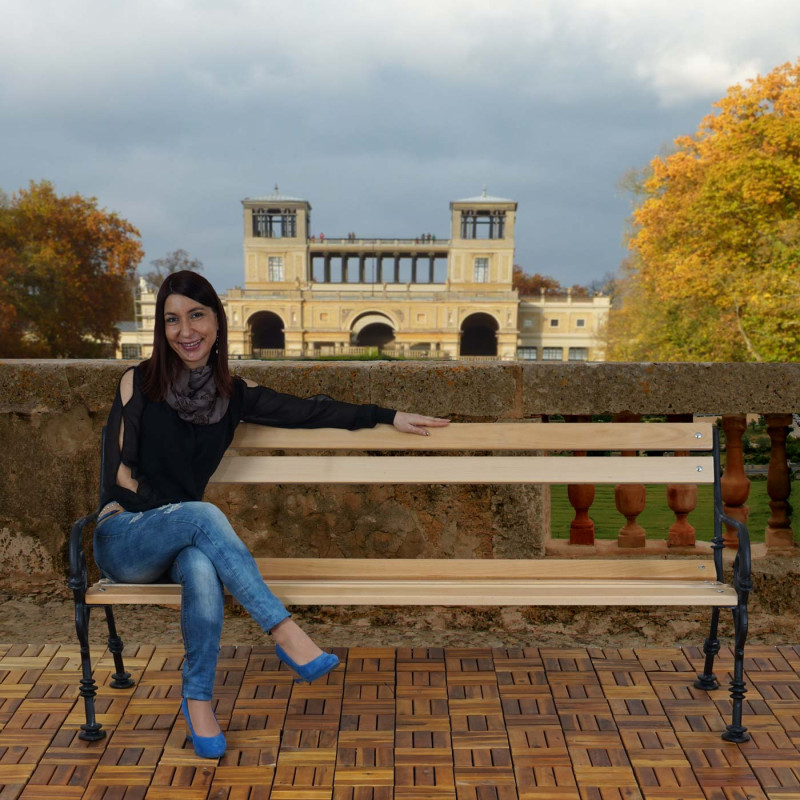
x=411, y=724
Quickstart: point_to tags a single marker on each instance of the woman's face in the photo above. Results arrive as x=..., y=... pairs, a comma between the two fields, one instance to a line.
x=191, y=329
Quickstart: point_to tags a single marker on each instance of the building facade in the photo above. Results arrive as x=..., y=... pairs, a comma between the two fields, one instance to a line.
x=306, y=294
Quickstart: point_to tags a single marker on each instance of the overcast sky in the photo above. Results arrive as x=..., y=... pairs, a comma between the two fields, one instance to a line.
x=378, y=112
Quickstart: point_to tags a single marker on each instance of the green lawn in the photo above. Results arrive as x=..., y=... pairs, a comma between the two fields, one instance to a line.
x=656, y=518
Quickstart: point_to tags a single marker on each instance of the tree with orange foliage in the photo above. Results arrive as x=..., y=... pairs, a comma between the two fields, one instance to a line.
x=716, y=236
x=66, y=269
x=527, y=284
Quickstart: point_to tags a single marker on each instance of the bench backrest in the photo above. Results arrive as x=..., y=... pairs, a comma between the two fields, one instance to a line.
x=689, y=442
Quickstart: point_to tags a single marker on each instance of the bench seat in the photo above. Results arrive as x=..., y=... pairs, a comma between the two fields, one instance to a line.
x=463, y=582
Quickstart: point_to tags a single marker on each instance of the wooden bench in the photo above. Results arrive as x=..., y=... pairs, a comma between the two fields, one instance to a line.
x=680, y=581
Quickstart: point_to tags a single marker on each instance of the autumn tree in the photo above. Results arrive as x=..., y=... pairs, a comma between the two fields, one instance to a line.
x=66, y=269
x=174, y=261
x=716, y=236
x=527, y=284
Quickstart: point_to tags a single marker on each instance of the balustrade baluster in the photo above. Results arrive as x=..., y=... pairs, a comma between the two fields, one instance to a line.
x=779, y=534
x=630, y=499
x=735, y=484
x=682, y=500
x=581, y=497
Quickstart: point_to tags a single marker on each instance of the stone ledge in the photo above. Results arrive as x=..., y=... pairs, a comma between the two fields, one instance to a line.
x=501, y=390
x=52, y=412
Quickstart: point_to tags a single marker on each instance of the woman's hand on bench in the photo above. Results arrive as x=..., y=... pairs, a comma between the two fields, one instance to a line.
x=416, y=423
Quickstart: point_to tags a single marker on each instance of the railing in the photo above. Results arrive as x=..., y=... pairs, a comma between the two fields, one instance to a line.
x=682, y=498
x=350, y=351
x=416, y=292
x=377, y=352
x=418, y=241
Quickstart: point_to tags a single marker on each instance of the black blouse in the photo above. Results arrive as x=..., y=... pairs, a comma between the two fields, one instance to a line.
x=173, y=460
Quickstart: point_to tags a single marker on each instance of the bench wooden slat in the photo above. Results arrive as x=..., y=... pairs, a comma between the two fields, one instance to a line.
x=454, y=469
x=546, y=593
x=487, y=436
x=484, y=568
x=301, y=574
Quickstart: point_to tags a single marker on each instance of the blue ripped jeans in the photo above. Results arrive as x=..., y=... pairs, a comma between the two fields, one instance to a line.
x=192, y=544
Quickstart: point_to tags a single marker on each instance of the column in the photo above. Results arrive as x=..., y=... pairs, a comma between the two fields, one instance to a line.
x=779, y=534
x=735, y=484
x=327, y=268
x=581, y=497
x=414, y=258
x=682, y=500
x=630, y=500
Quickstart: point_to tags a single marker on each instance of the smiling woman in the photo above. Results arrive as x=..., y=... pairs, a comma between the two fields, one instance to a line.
x=192, y=329
x=171, y=421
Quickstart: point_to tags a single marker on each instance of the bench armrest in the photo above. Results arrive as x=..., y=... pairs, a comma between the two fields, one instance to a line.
x=741, y=564
x=78, y=577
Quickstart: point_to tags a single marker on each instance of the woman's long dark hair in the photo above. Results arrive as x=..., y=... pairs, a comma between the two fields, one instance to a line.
x=160, y=369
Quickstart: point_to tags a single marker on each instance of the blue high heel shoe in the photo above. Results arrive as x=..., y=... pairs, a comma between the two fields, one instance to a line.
x=204, y=746
x=320, y=666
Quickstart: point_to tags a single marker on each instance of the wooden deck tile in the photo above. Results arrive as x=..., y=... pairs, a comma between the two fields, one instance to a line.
x=407, y=724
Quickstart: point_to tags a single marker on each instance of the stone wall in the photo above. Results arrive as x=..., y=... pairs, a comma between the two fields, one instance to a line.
x=52, y=413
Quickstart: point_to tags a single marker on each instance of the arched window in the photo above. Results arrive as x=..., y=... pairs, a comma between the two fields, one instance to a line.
x=266, y=332
x=372, y=329
x=479, y=335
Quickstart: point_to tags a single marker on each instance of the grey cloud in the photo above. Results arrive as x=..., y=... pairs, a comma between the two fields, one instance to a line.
x=378, y=113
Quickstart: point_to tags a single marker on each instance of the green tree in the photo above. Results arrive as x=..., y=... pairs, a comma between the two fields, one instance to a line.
x=715, y=236
x=174, y=261
x=66, y=270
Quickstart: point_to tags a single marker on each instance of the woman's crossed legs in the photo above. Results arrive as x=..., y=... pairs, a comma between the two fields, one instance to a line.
x=194, y=544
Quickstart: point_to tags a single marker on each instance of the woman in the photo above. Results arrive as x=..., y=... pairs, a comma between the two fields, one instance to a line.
x=172, y=419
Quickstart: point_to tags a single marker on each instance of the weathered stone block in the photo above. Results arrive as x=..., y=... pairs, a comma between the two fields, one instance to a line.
x=467, y=391
x=659, y=388
x=348, y=381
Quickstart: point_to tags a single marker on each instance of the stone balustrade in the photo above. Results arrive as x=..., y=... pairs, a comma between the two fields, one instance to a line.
x=52, y=413
x=682, y=498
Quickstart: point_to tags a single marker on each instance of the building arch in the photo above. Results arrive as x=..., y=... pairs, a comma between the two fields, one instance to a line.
x=364, y=318
x=376, y=334
x=266, y=330
x=479, y=335
x=372, y=329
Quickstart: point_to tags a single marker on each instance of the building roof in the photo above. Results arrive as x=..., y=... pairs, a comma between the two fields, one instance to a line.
x=485, y=198
x=275, y=197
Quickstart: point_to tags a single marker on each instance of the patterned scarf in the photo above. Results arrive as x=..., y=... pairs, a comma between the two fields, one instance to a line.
x=195, y=397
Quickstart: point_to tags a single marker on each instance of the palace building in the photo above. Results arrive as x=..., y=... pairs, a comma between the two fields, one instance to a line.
x=307, y=294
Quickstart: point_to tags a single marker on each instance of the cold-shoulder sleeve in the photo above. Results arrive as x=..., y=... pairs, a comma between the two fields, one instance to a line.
x=267, y=407
x=130, y=414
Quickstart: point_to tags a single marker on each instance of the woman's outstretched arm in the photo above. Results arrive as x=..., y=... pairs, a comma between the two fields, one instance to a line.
x=267, y=407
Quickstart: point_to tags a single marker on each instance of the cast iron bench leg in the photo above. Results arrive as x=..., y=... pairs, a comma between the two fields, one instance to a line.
x=708, y=680
x=120, y=679
x=91, y=730
x=736, y=732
